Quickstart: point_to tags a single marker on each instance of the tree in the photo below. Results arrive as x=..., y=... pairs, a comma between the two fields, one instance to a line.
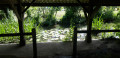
x=72, y=13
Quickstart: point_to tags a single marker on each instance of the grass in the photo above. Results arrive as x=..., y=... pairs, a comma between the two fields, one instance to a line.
x=11, y=26
x=8, y=26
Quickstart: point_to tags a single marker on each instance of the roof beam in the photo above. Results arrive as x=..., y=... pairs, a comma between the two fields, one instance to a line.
x=65, y=2
x=28, y=6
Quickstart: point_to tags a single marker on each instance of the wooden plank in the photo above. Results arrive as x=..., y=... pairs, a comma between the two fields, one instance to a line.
x=7, y=1
x=85, y=31
x=82, y=31
x=53, y=4
x=105, y=30
x=34, y=43
x=27, y=33
x=75, y=43
x=14, y=34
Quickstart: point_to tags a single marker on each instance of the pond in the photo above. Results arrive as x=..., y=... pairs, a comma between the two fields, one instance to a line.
x=57, y=34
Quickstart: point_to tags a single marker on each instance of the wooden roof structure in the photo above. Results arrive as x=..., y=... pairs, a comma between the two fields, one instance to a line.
x=63, y=2
x=19, y=8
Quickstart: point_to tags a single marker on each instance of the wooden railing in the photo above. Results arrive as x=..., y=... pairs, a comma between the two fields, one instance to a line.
x=33, y=33
x=85, y=31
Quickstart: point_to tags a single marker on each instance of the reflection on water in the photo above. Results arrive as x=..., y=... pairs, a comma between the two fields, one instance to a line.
x=58, y=34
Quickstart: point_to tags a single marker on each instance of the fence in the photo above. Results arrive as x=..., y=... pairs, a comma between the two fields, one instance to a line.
x=85, y=31
x=33, y=33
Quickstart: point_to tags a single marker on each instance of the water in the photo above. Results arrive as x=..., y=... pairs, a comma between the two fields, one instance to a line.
x=57, y=34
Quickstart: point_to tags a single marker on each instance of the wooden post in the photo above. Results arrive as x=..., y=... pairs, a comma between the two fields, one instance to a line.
x=75, y=43
x=20, y=21
x=89, y=25
x=34, y=43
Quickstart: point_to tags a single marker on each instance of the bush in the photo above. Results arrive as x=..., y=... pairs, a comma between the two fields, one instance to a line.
x=97, y=23
x=107, y=13
x=70, y=34
x=8, y=26
x=72, y=13
x=50, y=21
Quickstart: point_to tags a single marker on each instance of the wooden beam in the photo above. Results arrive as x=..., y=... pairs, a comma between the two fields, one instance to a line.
x=20, y=21
x=105, y=30
x=82, y=31
x=34, y=43
x=14, y=34
x=65, y=3
x=11, y=3
x=10, y=34
x=28, y=6
x=90, y=12
x=75, y=43
x=85, y=31
x=89, y=25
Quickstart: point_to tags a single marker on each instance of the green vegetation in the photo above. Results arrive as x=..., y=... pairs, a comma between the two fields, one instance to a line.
x=48, y=18
x=107, y=19
x=72, y=13
x=97, y=23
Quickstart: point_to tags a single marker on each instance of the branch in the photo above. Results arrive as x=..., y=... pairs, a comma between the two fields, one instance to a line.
x=14, y=9
x=85, y=13
x=28, y=6
x=95, y=10
x=82, y=5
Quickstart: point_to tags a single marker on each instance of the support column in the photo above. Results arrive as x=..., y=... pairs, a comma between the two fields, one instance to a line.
x=34, y=43
x=21, y=30
x=20, y=21
x=89, y=25
x=75, y=43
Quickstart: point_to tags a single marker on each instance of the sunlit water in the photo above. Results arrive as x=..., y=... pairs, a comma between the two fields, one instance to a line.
x=58, y=34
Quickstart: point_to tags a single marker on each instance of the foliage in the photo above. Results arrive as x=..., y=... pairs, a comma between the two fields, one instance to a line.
x=44, y=16
x=70, y=34
x=39, y=17
x=117, y=27
x=71, y=13
x=50, y=19
x=28, y=25
x=107, y=13
x=97, y=23
x=8, y=26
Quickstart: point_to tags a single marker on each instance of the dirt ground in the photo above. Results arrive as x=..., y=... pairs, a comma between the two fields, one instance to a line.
x=96, y=49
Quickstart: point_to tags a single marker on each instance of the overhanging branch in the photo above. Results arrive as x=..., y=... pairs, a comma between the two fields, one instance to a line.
x=14, y=8
x=28, y=6
x=95, y=10
x=82, y=5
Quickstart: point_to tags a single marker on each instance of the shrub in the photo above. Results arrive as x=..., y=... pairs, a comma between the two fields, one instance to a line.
x=50, y=21
x=97, y=23
x=72, y=13
x=8, y=26
x=70, y=34
x=107, y=13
